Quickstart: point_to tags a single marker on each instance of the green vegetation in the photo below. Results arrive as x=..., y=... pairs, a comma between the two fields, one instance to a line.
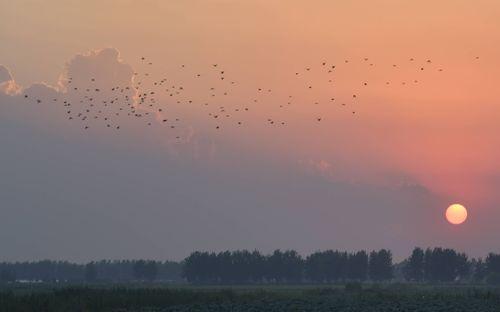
x=435, y=279
x=349, y=297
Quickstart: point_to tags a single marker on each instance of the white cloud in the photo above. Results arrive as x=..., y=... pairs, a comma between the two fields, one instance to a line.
x=7, y=84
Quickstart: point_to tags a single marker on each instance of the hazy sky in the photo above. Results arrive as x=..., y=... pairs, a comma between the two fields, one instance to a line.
x=380, y=178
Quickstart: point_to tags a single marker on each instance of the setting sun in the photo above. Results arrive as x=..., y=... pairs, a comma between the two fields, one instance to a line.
x=456, y=214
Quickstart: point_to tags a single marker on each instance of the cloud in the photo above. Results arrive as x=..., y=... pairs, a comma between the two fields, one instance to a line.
x=5, y=74
x=320, y=167
x=65, y=105
x=53, y=107
x=97, y=67
x=7, y=84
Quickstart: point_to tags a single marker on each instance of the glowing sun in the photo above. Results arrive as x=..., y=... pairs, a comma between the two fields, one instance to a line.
x=456, y=214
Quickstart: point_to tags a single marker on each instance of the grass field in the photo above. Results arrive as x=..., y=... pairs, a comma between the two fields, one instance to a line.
x=155, y=297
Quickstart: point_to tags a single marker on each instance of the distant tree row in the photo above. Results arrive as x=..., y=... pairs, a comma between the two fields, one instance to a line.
x=251, y=267
x=243, y=266
x=430, y=265
x=446, y=265
x=99, y=271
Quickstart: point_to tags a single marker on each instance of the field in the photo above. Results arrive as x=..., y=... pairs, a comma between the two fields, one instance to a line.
x=350, y=297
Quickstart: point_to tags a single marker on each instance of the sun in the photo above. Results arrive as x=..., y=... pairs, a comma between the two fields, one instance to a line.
x=456, y=214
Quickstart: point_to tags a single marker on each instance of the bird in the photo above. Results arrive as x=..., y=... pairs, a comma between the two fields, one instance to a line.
x=150, y=96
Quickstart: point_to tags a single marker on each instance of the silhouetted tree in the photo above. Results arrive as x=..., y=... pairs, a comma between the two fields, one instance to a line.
x=463, y=266
x=203, y=267
x=257, y=263
x=414, y=266
x=107, y=271
x=145, y=270
x=357, y=266
x=380, y=265
x=493, y=269
x=7, y=275
x=478, y=270
x=445, y=265
x=169, y=271
x=90, y=272
x=493, y=263
x=293, y=266
x=315, y=266
x=285, y=266
x=326, y=266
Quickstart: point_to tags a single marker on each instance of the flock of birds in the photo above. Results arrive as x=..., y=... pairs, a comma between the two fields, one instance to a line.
x=157, y=100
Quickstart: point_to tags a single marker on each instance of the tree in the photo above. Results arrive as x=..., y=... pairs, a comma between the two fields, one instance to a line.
x=293, y=266
x=357, y=266
x=338, y=268
x=284, y=266
x=170, y=271
x=316, y=266
x=7, y=275
x=274, y=267
x=414, y=268
x=257, y=269
x=90, y=272
x=493, y=269
x=326, y=266
x=203, y=267
x=445, y=265
x=145, y=270
x=380, y=265
x=151, y=271
x=463, y=266
x=478, y=270
x=493, y=263
x=221, y=266
x=240, y=266
x=189, y=268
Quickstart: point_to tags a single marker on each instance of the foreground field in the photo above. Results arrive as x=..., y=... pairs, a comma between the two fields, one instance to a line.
x=351, y=298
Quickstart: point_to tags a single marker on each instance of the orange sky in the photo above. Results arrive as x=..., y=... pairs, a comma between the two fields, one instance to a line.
x=443, y=132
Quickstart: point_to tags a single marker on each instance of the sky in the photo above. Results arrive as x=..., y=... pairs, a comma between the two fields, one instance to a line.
x=420, y=76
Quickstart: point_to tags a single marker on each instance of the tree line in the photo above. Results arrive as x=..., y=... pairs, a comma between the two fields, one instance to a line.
x=330, y=266
x=252, y=267
x=446, y=265
x=95, y=271
x=243, y=266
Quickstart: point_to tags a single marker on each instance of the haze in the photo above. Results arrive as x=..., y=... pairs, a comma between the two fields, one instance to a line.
x=380, y=179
